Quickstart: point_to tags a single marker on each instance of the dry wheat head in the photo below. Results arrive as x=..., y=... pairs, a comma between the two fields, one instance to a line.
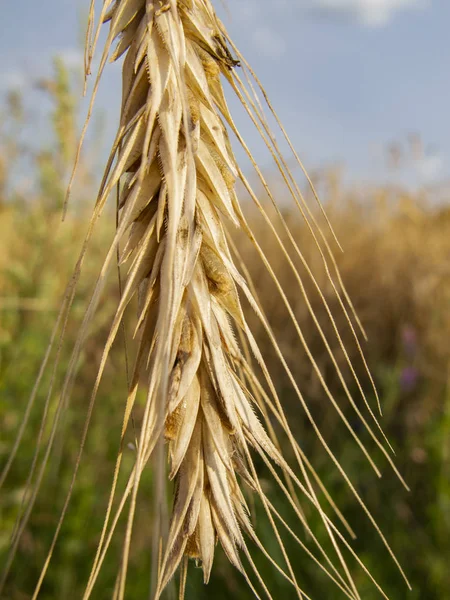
x=181, y=175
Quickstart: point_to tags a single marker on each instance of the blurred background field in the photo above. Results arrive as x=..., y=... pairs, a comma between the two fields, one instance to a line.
x=396, y=267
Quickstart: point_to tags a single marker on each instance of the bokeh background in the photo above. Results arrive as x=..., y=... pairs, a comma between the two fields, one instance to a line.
x=363, y=87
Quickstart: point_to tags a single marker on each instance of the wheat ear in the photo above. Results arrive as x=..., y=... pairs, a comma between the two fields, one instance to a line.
x=195, y=349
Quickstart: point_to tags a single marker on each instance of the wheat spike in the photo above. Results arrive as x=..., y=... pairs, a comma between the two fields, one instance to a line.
x=205, y=405
x=181, y=175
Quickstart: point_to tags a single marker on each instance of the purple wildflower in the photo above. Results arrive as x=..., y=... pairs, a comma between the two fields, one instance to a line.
x=408, y=379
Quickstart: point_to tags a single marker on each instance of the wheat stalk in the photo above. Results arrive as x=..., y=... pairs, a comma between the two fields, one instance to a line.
x=205, y=402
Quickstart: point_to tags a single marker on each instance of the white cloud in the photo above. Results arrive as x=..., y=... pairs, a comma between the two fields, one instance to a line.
x=431, y=167
x=72, y=57
x=13, y=79
x=264, y=18
x=373, y=13
x=27, y=69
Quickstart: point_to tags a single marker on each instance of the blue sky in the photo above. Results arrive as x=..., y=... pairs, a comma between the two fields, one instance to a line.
x=348, y=77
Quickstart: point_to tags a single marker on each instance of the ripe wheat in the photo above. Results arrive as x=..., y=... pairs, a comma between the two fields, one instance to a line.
x=207, y=404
